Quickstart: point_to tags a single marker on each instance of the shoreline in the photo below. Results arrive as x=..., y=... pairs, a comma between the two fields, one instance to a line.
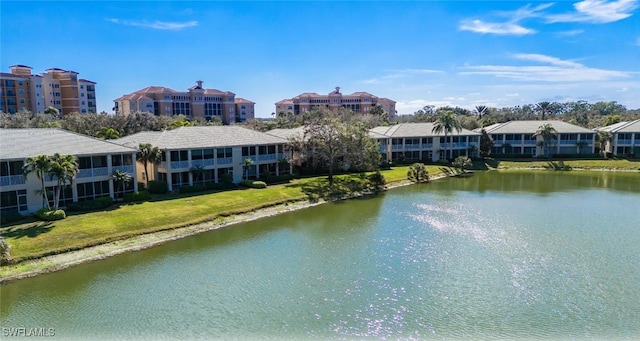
x=65, y=260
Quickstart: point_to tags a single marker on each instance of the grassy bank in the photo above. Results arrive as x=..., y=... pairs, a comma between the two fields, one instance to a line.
x=603, y=164
x=36, y=239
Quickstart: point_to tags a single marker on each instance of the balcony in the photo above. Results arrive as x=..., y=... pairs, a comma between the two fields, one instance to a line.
x=203, y=163
x=12, y=180
x=93, y=172
x=179, y=164
x=125, y=168
x=397, y=147
x=625, y=142
x=267, y=157
x=225, y=161
x=568, y=142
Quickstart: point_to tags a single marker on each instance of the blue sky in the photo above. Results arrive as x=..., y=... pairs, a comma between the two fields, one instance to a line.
x=458, y=53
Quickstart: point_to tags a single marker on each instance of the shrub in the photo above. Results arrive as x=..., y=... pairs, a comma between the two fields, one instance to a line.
x=50, y=215
x=90, y=205
x=219, y=185
x=226, y=178
x=376, y=181
x=5, y=252
x=137, y=197
x=253, y=184
x=418, y=173
x=7, y=217
x=191, y=189
x=158, y=187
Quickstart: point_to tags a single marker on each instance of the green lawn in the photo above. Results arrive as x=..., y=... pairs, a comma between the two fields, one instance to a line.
x=35, y=239
x=600, y=164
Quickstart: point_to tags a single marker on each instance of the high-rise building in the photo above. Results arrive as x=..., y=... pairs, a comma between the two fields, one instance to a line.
x=358, y=102
x=58, y=88
x=195, y=102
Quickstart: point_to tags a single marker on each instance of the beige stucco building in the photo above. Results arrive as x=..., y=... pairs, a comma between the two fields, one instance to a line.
x=195, y=102
x=358, y=102
x=58, y=88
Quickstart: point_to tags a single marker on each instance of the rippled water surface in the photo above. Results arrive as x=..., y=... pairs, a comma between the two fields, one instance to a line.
x=506, y=255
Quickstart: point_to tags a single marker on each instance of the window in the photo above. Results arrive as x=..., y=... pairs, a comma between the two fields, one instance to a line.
x=179, y=155
x=21, y=91
x=93, y=190
x=21, y=100
x=248, y=151
x=82, y=87
x=13, y=200
x=121, y=160
x=82, y=94
x=223, y=153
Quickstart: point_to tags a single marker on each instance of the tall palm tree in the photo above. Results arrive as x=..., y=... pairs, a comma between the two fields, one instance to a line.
x=246, y=165
x=64, y=168
x=40, y=165
x=548, y=133
x=543, y=108
x=148, y=154
x=446, y=122
x=120, y=178
x=603, y=137
x=481, y=110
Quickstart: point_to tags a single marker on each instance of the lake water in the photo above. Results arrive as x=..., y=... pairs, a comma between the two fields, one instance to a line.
x=498, y=255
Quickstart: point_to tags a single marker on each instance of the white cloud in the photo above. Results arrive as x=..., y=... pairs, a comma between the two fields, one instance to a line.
x=480, y=26
x=510, y=27
x=597, y=11
x=157, y=25
x=569, y=33
x=556, y=70
x=395, y=74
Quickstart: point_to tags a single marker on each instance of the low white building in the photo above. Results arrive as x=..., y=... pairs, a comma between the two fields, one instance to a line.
x=97, y=160
x=518, y=138
x=417, y=142
x=625, y=138
x=217, y=151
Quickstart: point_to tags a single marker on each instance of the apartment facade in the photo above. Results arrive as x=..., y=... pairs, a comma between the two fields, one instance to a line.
x=518, y=138
x=215, y=151
x=97, y=160
x=195, y=102
x=625, y=138
x=58, y=88
x=358, y=102
x=417, y=142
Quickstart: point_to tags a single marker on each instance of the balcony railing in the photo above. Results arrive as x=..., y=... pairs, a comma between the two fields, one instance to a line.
x=267, y=157
x=125, y=168
x=93, y=172
x=12, y=180
x=624, y=142
x=179, y=164
x=566, y=142
x=225, y=161
x=203, y=163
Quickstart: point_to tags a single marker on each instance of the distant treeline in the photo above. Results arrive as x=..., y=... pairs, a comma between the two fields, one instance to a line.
x=110, y=126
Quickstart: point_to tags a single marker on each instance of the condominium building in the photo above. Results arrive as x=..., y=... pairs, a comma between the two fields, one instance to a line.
x=625, y=138
x=417, y=142
x=97, y=160
x=216, y=151
x=195, y=102
x=358, y=102
x=519, y=138
x=58, y=88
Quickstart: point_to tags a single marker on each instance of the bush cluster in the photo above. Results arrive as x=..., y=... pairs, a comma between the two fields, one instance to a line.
x=191, y=189
x=90, y=205
x=5, y=252
x=137, y=197
x=50, y=215
x=158, y=187
x=253, y=184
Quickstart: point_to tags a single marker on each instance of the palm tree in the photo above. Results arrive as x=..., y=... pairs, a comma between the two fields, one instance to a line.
x=108, y=133
x=548, y=133
x=603, y=137
x=197, y=172
x=40, y=165
x=543, y=108
x=446, y=122
x=148, y=154
x=64, y=168
x=120, y=178
x=481, y=110
x=248, y=162
x=581, y=145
